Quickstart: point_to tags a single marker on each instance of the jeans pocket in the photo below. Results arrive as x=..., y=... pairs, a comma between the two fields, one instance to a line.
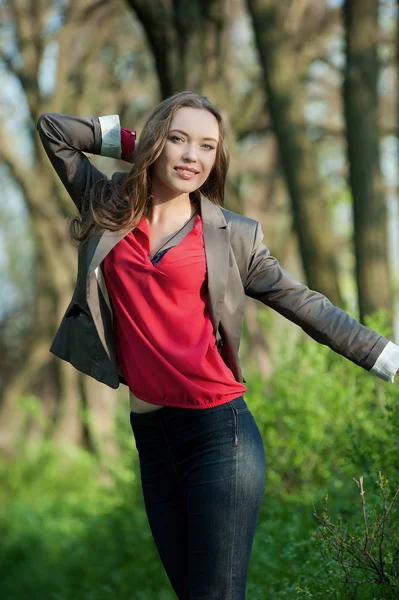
x=239, y=408
x=239, y=405
x=235, y=426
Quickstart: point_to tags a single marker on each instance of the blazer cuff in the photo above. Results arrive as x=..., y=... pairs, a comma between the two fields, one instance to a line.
x=110, y=136
x=387, y=363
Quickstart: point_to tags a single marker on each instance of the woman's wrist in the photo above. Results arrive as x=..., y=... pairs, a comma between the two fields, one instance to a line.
x=116, y=141
x=128, y=142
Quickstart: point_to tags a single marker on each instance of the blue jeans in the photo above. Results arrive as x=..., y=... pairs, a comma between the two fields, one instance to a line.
x=203, y=479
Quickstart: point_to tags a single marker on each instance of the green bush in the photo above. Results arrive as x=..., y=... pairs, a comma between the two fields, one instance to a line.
x=367, y=549
x=324, y=420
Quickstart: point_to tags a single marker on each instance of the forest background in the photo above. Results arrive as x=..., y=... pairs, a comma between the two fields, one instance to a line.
x=309, y=90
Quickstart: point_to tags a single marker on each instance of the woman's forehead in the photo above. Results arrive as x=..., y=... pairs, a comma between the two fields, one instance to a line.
x=195, y=122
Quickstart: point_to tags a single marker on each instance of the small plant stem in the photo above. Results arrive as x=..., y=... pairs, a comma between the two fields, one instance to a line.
x=363, y=502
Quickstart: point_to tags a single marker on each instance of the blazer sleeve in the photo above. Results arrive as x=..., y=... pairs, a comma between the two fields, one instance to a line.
x=65, y=138
x=268, y=282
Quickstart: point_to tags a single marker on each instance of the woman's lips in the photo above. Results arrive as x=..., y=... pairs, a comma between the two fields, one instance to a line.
x=184, y=174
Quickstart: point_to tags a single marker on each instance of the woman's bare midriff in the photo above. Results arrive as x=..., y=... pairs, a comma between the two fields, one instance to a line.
x=140, y=406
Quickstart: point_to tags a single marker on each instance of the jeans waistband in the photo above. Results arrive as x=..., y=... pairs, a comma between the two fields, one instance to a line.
x=167, y=411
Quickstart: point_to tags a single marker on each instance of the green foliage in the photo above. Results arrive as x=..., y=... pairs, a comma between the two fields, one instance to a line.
x=324, y=420
x=68, y=533
x=65, y=535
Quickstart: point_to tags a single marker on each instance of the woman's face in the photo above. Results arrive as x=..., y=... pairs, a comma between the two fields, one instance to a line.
x=189, y=153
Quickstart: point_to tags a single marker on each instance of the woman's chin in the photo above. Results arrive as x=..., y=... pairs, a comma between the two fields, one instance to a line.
x=171, y=186
x=185, y=187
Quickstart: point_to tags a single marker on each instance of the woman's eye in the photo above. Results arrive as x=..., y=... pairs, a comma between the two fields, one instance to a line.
x=176, y=137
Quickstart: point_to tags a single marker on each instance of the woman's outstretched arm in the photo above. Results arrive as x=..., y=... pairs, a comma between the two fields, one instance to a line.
x=268, y=282
x=65, y=138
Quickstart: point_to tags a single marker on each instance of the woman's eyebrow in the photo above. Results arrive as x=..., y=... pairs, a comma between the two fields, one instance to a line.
x=186, y=134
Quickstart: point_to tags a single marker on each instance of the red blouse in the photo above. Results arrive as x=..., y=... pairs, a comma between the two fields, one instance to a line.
x=164, y=337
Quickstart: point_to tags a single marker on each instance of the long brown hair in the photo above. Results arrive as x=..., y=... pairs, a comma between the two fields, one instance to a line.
x=121, y=202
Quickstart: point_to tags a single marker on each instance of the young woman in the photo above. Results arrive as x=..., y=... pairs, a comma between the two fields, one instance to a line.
x=163, y=271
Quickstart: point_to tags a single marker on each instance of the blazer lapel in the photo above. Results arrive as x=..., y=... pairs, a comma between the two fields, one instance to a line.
x=104, y=245
x=217, y=244
x=99, y=247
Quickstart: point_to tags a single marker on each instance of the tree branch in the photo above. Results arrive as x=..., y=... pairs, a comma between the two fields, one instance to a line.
x=7, y=61
x=32, y=184
x=338, y=131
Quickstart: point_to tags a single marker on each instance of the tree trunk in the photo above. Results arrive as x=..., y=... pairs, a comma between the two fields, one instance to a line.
x=285, y=92
x=48, y=206
x=363, y=139
x=188, y=41
x=259, y=352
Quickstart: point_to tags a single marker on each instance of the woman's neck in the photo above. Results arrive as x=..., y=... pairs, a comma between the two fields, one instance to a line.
x=175, y=209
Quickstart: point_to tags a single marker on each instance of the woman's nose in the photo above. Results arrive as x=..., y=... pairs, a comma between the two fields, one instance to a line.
x=190, y=153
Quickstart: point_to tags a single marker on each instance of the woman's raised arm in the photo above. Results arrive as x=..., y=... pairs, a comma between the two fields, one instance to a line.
x=65, y=138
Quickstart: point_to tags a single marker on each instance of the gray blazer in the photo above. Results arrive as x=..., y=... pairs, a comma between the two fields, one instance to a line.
x=238, y=264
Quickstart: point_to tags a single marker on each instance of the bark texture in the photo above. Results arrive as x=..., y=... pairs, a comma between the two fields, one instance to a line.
x=48, y=206
x=284, y=76
x=363, y=143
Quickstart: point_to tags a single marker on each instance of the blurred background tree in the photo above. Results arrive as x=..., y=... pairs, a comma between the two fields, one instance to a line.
x=363, y=129
x=308, y=92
